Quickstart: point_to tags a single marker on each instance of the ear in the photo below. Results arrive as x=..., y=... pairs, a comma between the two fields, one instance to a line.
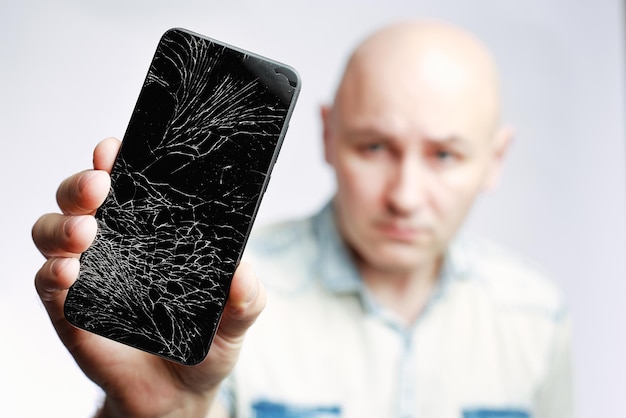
x=327, y=132
x=501, y=143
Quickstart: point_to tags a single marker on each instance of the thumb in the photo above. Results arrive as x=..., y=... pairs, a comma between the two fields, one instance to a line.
x=245, y=302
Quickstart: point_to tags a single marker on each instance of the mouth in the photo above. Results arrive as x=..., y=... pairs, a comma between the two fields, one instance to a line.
x=403, y=232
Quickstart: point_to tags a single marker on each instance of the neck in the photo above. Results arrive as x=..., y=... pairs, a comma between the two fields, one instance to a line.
x=403, y=292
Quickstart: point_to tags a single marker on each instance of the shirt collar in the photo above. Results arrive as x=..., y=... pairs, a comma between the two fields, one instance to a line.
x=335, y=265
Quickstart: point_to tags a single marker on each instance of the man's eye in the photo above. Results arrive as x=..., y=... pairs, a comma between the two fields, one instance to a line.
x=443, y=155
x=374, y=147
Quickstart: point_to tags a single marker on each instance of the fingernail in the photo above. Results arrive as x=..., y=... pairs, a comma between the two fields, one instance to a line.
x=86, y=178
x=71, y=223
x=61, y=265
x=56, y=265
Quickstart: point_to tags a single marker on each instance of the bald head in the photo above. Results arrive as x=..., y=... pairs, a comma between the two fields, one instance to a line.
x=429, y=66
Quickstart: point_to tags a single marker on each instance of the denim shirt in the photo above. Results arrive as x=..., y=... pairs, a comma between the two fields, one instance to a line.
x=492, y=341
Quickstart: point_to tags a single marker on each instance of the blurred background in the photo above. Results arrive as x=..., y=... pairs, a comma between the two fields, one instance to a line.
x=71, y=71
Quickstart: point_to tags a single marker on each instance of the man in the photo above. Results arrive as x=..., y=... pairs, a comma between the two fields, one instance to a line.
x=376, y=307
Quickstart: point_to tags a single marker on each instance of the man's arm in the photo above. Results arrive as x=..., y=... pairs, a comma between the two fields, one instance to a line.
x=555, y=396
x=136, y=384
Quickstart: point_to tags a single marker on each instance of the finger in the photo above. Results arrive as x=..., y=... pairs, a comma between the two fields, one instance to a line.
x=83, y=192
x=245, y=302
x=52, y=281
x=64, y=236
x=105, y=153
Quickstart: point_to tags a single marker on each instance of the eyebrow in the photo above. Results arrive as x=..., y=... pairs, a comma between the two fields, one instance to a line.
x=366, y=132
x=453, y=140
x=369, y=132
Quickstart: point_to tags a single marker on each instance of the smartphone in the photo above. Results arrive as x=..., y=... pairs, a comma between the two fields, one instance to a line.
x=186, y=186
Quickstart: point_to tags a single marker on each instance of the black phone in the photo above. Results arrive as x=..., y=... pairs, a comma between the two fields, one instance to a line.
x=186, y=186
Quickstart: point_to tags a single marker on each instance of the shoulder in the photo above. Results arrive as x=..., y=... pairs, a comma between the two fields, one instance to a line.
x=280, y=236
x=282, y=253
x=511, y=280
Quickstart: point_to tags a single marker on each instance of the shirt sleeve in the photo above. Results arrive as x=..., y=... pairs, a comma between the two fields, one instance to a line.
x=555, y=395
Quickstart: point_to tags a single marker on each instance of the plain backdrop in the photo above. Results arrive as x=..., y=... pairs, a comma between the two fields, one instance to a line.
x=70, y=73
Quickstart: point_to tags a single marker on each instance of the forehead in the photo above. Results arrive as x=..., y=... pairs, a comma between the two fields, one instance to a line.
x=427, y=94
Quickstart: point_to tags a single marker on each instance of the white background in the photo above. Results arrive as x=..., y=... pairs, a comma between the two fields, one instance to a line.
x=70, y=73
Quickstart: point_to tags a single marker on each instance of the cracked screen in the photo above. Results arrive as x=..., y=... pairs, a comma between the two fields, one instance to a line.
x=186, y=185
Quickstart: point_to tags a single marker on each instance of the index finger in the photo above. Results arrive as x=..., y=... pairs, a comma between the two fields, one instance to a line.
x=105, y=153
x=84, y=192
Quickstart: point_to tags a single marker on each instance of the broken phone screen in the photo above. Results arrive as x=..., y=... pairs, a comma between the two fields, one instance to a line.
x=186, y=185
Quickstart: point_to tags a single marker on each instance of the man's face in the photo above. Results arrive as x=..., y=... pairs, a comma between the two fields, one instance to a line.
x=409, y=160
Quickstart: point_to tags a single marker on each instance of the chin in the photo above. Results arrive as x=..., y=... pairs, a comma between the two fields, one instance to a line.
x=400, y=259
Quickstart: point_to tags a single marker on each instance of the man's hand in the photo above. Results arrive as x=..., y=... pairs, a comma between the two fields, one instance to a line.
x=137, y=384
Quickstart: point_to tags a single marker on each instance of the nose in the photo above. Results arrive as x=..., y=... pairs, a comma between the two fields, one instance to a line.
x=407, y=187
